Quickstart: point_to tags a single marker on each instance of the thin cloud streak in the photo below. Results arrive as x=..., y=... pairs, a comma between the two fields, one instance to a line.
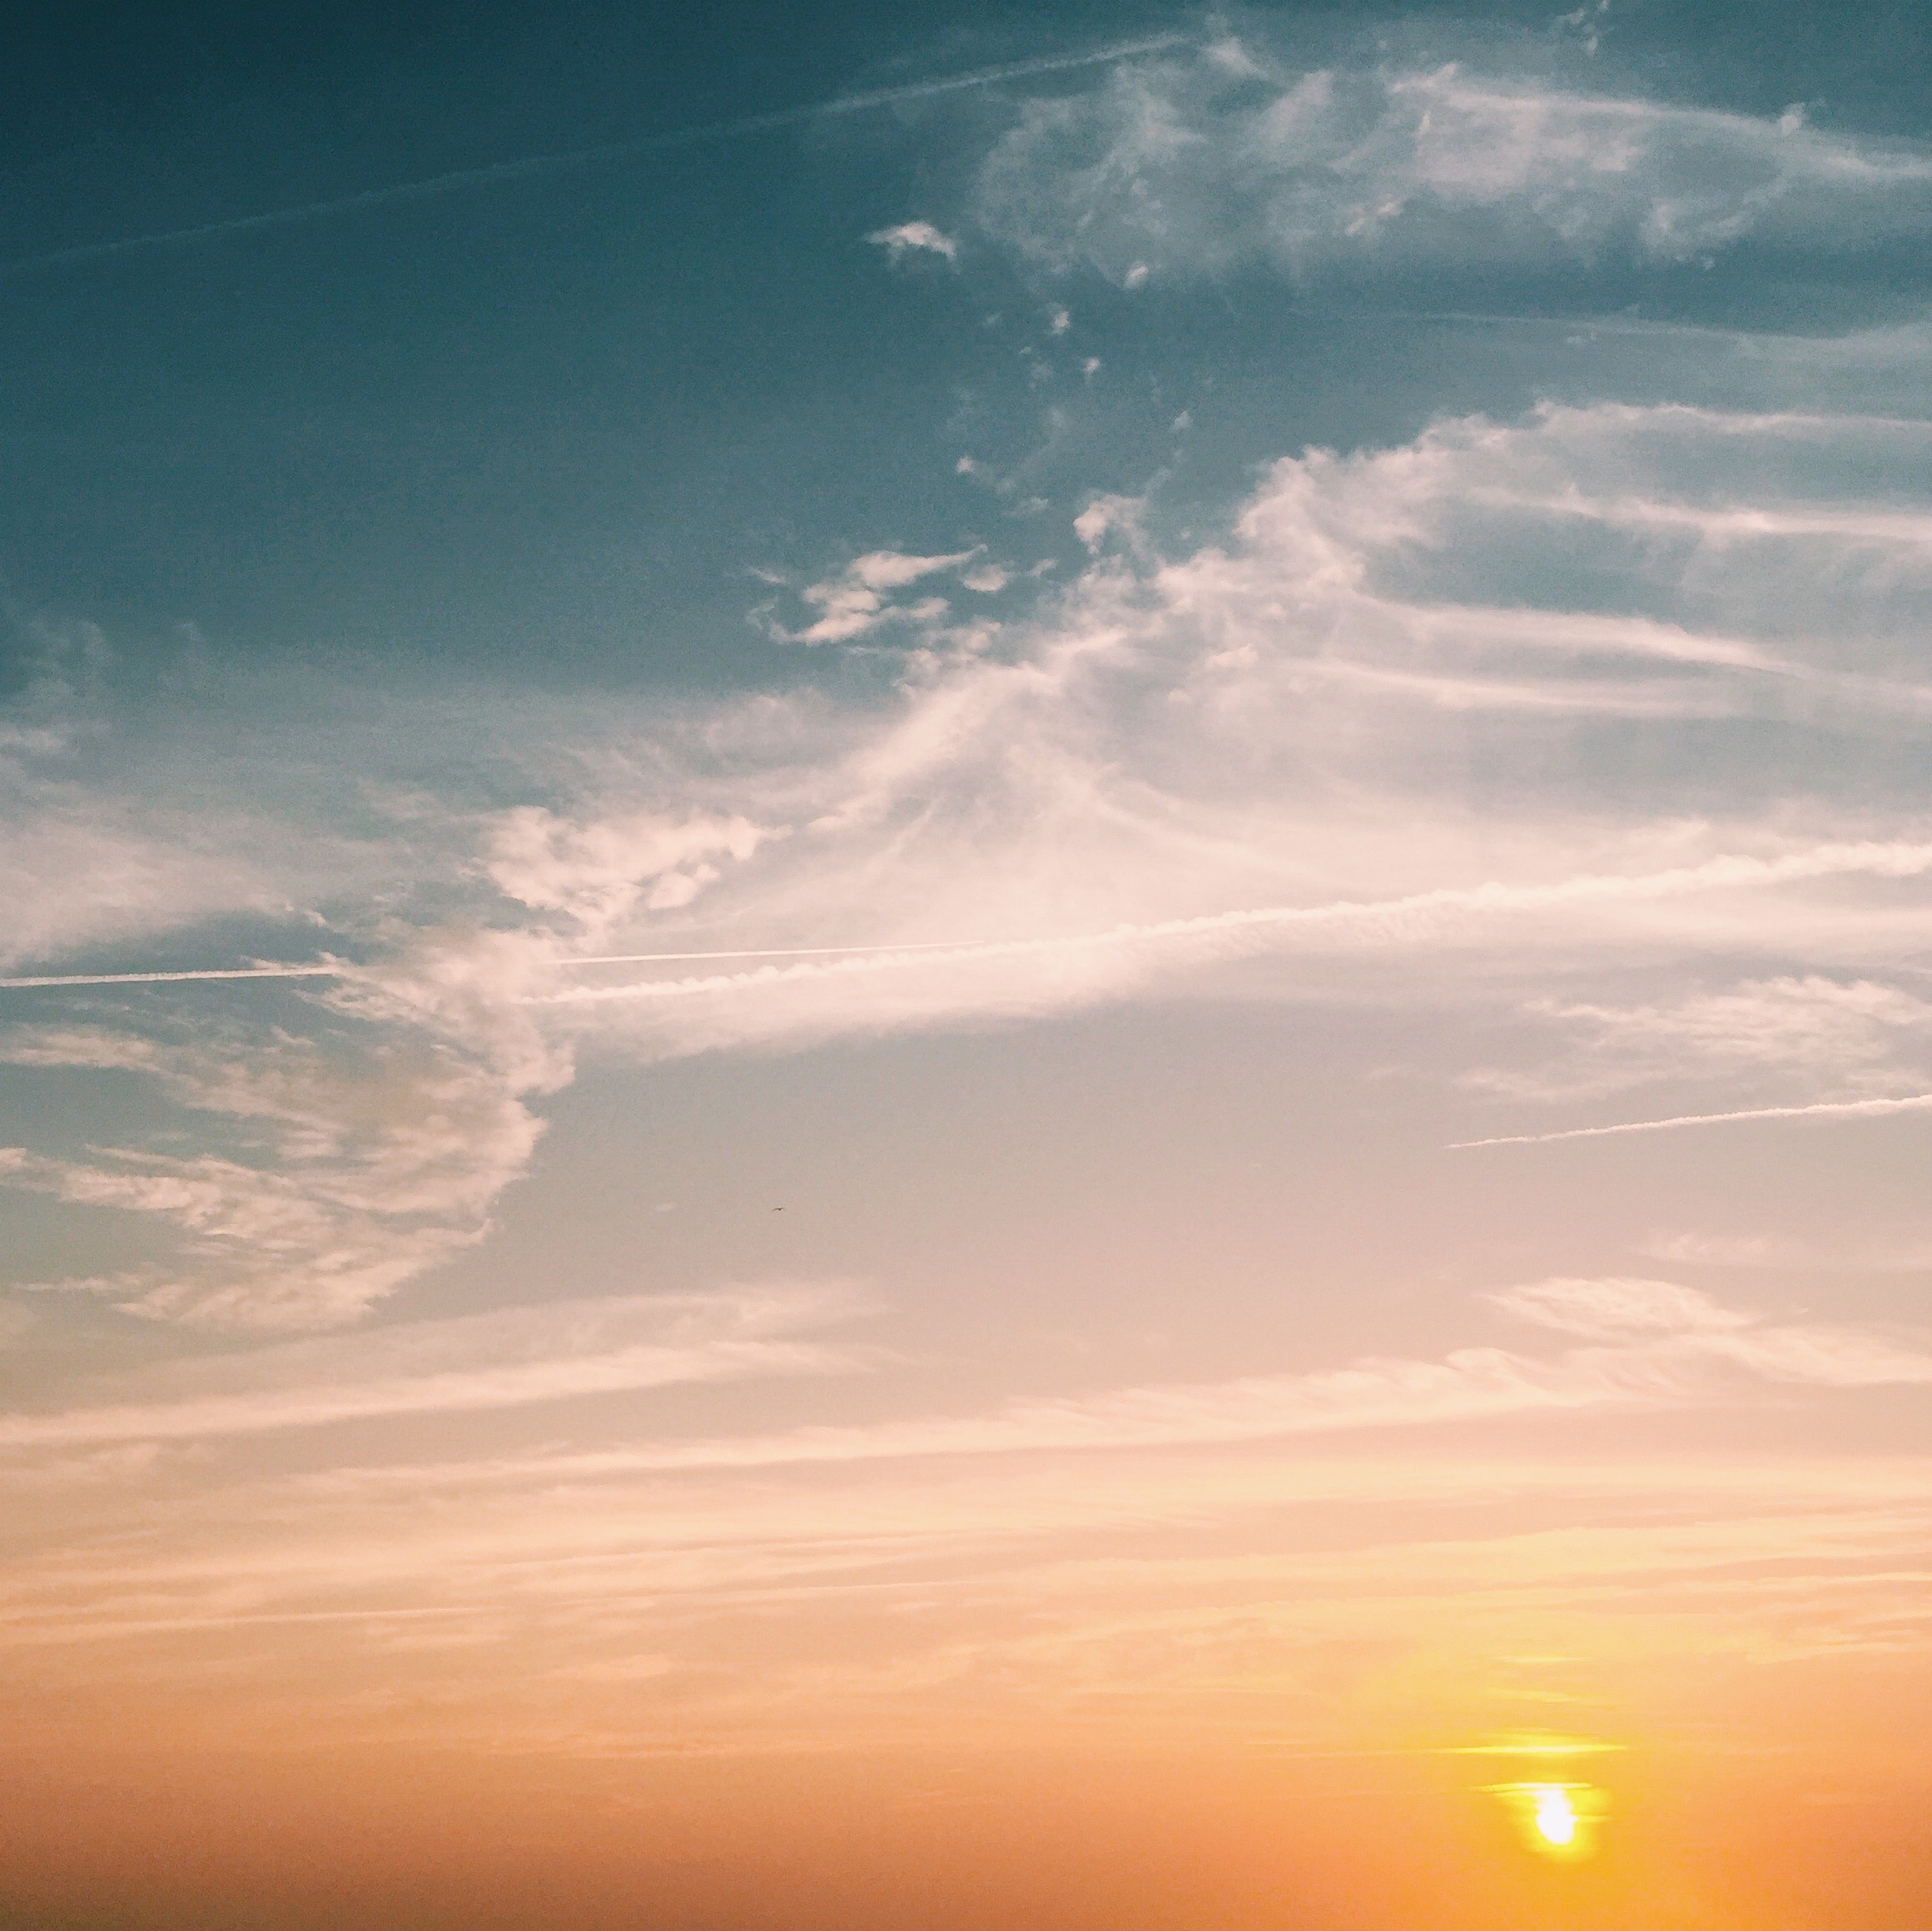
x=1892, y=860
x=509, y=1358
x=1645, y=1345
x=1825, y=1109
x=19, y=985
x=1382, y=917
x=624, y=1370
x=169, y=978
x=534, y=166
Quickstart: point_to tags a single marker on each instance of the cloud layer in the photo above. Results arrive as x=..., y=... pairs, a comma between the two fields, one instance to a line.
x=1380, y=723
x=1206, y=161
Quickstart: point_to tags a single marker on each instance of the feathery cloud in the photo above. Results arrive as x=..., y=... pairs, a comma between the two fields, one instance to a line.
x=1644, y=1344
x=554, y=1352
x=1187, y=165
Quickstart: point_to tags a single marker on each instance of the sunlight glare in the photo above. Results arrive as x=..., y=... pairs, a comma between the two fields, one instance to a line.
x=1556, y=1817
x=1556, y=1820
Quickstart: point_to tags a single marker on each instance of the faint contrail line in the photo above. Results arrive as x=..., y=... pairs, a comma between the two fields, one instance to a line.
x=1825, y=1109
x=560, y=965
x=541, y=164
x=1396, y=917
x=789, y=951
x=162, y=978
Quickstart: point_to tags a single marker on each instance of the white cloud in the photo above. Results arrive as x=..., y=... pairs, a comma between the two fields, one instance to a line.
x=1432, y=920
x=914, y=237
x=1280, y=723
x=1364, y=728
x=1193, y=166
x=69, y=877
x=369, y=1181
x=854, y=601
x=1618, y=1308
x=598, y=874
x=1865, y=1039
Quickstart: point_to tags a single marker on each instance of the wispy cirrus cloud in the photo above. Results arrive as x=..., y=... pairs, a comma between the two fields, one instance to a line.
x=1101, y=1511
x=558, y=1351
x=1204, y=160
x=1863, y=1037
x=1638, y=1344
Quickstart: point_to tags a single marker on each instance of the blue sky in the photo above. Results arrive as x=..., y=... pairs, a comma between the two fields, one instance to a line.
x=1106, y=899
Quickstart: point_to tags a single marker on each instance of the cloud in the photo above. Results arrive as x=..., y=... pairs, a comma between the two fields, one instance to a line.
x=71, y=876
x=559, y=1351
x=1083, y=1548
x=598, y=874
x=79, y=869
x=1647, y=1344
x=1427, y=919
x=532, y=166
x=1858, y=1253
x=1191, y=165
x=1259, y=746
x=1860, y=1034
x=1384, y=717
x=90, y=859
x=855, y=601
x=1618, y=1308
x=371, y=1180
x=914, y=237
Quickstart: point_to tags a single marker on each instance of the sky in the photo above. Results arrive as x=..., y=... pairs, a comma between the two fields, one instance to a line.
x=967, y=967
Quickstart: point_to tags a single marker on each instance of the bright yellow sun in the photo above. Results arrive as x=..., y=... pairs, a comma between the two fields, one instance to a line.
x=1555, y=1816
x=1558, y=1820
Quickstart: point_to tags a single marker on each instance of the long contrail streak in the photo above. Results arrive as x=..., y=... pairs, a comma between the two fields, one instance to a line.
x=1391, y=917
x=534, y=166
x=164, y=977
x=561, y=964
x=1824, y=1109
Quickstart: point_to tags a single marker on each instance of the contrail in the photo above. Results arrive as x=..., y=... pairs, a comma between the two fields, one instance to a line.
x=164, y=978
x=1388, y=918
x=560, y=965
x=1391, y=918
x=1825, y=1109
x=543, y=164
x=789, y=951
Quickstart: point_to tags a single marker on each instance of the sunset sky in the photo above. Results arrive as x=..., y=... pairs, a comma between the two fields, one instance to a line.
x=966, y=966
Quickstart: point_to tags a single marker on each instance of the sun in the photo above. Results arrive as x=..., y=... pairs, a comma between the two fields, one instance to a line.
x=1557, y=1820
x=1555, y=1816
